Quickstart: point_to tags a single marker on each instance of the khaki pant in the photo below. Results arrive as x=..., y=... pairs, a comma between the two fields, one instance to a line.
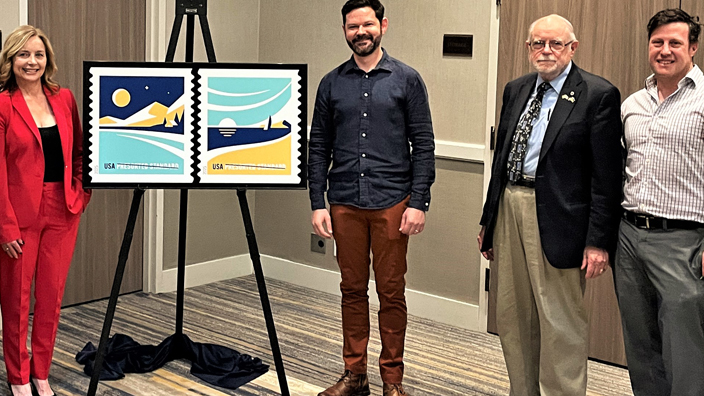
x=541, y=318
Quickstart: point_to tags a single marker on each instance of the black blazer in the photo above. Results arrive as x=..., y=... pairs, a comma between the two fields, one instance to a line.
x=578, y=179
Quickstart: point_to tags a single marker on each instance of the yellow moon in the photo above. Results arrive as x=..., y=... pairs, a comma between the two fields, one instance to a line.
x=121, y=97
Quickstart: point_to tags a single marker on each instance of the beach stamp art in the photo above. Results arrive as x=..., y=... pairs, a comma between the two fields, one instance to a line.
x=250, y=126
x=194, y=125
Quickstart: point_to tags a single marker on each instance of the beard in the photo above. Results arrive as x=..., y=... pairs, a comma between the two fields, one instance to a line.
x=550, y=69
x=362, y=50
x=545, y=69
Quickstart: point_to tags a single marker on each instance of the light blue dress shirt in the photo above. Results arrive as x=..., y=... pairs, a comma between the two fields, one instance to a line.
x=540, y=125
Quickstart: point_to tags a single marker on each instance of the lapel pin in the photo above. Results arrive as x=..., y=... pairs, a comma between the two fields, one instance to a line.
x=568, y=98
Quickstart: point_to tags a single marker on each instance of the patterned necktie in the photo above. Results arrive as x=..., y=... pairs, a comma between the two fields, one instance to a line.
x=520, y=137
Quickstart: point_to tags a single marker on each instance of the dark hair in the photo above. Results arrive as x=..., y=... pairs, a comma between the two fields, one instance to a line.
x=352, y=5
x=672, y=15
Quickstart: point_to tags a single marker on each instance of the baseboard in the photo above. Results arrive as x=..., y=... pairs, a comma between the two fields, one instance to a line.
x=206, y=272
x=429, y=306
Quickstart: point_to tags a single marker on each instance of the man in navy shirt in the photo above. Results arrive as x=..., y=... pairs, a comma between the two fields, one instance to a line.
x=372, y=123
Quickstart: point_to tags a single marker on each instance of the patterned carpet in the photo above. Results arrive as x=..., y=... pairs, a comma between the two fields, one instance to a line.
x=440, y=360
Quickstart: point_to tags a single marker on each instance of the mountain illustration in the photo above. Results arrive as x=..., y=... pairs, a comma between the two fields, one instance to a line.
x=151, y=115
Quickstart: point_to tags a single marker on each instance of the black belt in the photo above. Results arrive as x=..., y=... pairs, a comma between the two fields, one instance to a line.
x=659, y=223
x=525, y=182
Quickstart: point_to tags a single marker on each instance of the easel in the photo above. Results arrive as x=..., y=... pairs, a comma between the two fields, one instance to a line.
x=189, y=9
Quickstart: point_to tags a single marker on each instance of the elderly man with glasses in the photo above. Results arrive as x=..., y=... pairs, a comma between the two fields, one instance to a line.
x=552, y=210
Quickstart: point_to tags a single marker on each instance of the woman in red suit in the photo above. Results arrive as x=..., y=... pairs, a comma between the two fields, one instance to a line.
x=41, y=200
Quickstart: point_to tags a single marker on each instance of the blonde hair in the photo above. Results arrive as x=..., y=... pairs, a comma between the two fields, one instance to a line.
x=13, y=44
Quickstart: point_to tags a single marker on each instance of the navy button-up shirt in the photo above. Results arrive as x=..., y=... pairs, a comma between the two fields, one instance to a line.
x=376, y=130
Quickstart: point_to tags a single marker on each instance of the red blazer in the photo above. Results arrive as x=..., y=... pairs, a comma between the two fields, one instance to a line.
x=22, y=160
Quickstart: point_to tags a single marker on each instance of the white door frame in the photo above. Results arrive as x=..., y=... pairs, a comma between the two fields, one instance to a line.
x=153, y=242
x=490, y=121
x=23, y=12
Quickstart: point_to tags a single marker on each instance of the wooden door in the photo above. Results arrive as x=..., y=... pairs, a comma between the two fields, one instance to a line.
x=696, y=7
x=613, y=44
x=96, y=30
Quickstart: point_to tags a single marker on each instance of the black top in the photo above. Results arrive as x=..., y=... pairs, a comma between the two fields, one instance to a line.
x=365, y=124
x=53, y=154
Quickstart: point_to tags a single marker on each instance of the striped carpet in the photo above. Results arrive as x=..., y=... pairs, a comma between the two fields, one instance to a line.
x=440, y=360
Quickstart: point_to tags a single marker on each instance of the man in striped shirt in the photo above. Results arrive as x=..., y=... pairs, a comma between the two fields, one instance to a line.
x=658, y=271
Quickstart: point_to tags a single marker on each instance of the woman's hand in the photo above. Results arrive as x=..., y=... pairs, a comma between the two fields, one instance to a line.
x=13, y=248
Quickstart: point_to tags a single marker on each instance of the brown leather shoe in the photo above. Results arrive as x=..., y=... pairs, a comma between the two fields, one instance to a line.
x=349, y=385
x=394, y=390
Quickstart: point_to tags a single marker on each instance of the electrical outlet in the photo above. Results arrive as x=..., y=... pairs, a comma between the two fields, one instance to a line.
x=317, y=243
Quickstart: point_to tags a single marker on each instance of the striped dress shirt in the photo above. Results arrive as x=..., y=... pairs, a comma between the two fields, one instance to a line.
x=665, y=146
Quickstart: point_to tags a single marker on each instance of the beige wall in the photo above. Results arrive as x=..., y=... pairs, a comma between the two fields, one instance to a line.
x=234, y=27
x=215, y=228
x=9, y=17
x=457, y=86
x=443, y=260
x=310, y=31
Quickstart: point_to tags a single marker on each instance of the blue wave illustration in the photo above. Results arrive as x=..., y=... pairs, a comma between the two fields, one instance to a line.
x=246, y=101
x=125, y=153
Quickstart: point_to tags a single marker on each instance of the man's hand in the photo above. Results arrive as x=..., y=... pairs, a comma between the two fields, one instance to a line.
x=412, y=222
x=13, y=248
x=322, y=225
x=489, y=254
x=595, y=260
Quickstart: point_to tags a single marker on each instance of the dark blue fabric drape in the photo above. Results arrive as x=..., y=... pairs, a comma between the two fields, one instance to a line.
x=214, y=364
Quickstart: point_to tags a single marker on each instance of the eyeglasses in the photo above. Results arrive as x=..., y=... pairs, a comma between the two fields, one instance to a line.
x=555, y=45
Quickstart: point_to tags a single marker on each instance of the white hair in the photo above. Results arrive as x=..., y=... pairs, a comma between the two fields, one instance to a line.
x=570, y=28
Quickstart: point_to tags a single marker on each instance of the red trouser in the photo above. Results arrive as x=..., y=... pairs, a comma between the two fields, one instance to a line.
x=47, y=251
x=357, y=231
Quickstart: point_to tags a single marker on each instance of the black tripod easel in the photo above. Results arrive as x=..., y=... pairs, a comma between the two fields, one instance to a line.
x=189, y=9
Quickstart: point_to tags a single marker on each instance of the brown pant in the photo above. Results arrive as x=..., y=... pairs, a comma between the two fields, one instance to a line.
x=357, y=231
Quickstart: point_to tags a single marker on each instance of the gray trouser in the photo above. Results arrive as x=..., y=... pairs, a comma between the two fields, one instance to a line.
x=661, y=296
